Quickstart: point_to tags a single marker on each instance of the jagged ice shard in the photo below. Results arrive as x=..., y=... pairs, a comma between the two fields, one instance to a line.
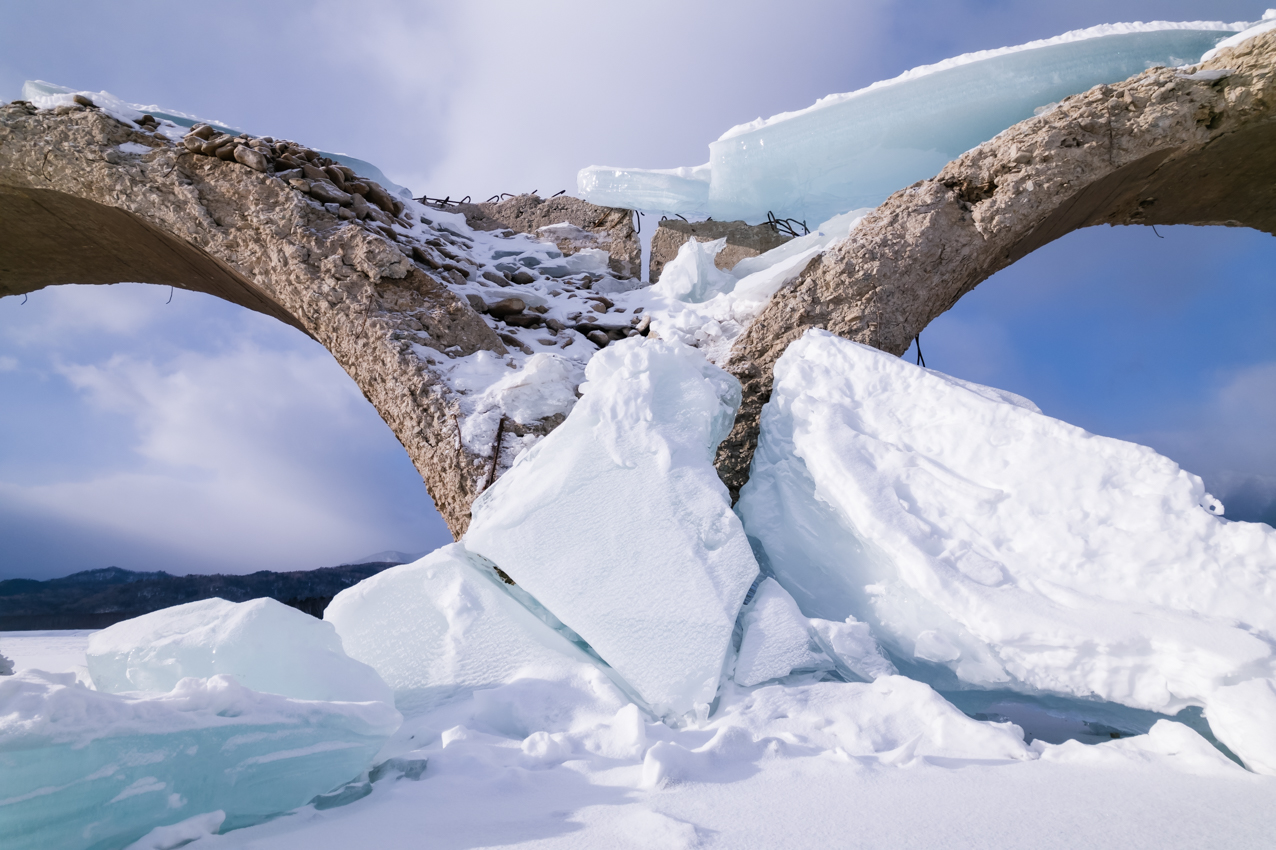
x=974, y=533
x=853, y=150
x=618, y=524
x=442, y=626
x=263, y=643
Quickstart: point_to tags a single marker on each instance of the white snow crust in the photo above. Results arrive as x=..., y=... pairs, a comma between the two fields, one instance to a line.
x=618, y=524
x=264, y=644
x=974, y=533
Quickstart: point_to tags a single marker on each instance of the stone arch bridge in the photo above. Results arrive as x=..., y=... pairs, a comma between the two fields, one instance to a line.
x=91, y=199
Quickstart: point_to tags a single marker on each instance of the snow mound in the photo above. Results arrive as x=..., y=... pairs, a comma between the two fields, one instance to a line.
x=975, y=534
x=442, y=626
x=618, y=524
x=80, y=768
x=263, y=644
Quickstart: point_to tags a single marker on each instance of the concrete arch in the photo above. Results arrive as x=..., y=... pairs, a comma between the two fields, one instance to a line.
x=1164, y=147
x=75, y=209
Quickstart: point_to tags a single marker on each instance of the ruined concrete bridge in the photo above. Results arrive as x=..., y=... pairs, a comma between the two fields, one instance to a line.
x=89, y=199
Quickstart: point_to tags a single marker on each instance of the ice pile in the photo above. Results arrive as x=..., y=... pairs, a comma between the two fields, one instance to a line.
x=80, y=768
x=245, y=710
x=265, y=645
x=853, y=150
x=445, y=625
x=618, y=524
x=701, y=305
x=973, y=533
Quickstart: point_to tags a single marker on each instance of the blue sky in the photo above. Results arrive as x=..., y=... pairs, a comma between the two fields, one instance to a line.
x=196, y=436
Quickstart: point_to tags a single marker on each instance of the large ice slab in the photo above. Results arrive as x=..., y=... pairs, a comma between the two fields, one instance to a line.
x=976, y=534
x=442, y=626
x=85, y=769
x=618, y=524
x=266, y=645
x=855, y=149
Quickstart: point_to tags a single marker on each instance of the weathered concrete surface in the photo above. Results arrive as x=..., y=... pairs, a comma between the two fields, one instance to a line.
x=743, y=240
x=589, y=226
x=74, y=209
x=1164, y=147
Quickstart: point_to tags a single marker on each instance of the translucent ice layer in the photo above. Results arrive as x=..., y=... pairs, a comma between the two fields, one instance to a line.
x=976, y=534
x=671, y=190
x=618, y=523
x=85, y=769
x=442, y=626
x=264, y=644
x=853, y=150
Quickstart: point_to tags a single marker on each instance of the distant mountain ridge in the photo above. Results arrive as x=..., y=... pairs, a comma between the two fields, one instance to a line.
x=95, y=599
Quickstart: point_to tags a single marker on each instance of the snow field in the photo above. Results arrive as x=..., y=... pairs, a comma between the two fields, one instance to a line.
x=571, y=763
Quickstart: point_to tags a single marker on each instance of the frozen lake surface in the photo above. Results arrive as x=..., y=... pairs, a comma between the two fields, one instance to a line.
x=57, y=651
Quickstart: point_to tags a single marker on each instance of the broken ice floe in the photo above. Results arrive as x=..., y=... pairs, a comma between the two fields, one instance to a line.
x=618, y=524
x=855, y=149
x=976, y=534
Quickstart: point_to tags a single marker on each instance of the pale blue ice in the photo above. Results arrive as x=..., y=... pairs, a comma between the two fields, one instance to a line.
x=853, y=150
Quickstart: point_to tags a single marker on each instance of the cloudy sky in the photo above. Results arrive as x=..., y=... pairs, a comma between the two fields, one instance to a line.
x=194, y=436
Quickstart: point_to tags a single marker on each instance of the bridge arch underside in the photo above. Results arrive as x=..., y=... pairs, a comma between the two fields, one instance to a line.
x=49, y=238
x=1229, y=182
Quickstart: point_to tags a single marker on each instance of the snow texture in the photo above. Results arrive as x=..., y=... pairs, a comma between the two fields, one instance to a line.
x=777, y=639
x=80, y=768
x=264, y=644
x=974, y=533
x=618, y=524
x=173, y=124
x=443, y=626
x=855, y=149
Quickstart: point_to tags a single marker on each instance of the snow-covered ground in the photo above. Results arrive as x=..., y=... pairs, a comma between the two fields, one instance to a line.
x=58, y=651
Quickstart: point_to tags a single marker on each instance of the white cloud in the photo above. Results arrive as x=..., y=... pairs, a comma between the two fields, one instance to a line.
x=68, y=311
x=8, y=364
x=251, y=458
